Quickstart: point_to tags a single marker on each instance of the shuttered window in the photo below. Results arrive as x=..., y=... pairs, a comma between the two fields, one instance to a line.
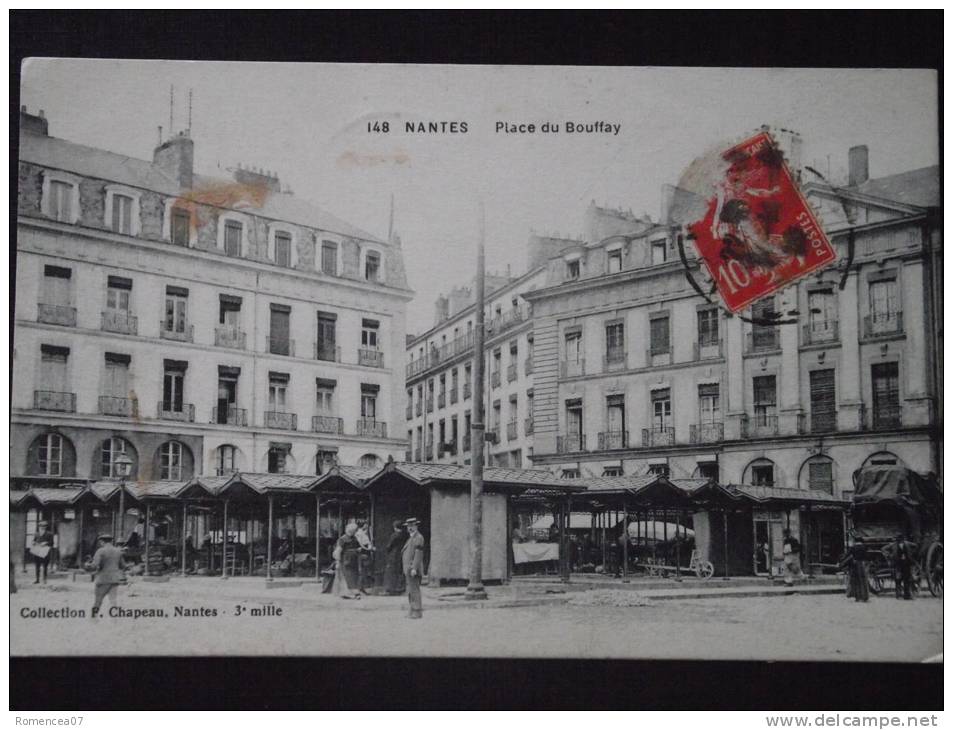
x=886, y=392
x=823, y=408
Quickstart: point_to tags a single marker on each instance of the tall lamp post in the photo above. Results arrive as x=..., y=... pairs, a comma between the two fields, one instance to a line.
x=122, y=468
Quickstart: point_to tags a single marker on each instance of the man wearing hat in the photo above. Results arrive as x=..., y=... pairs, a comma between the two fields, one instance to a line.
x=41, y=548
x=412, y=557
x=108, y=567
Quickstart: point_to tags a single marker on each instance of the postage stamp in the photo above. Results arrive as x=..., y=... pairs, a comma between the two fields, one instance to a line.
x=758, y=234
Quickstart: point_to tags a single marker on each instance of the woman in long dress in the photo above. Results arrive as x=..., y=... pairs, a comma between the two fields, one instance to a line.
x=393, y=568
x=855, y=561
x=346, y=577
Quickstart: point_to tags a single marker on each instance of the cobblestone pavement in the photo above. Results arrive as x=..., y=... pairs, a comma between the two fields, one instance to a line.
x=798, y=627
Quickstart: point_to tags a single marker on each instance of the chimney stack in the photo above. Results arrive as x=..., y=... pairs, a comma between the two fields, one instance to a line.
x=34, y=123
x=442, y=309
x=256, y=177
x=174, y=157
x=857, y=166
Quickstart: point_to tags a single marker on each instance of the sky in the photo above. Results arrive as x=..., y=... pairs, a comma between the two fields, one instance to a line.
x=309, y=123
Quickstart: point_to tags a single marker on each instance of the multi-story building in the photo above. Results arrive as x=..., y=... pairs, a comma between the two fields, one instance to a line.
x=634, y=372
x=197, y=325
x=439, y=376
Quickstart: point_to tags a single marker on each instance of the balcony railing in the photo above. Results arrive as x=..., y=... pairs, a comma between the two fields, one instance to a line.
x=763, y=340
x=327, y=424
x=613, y=440
x=706, y=433
x=569, y=444
x=823, y=422
x=170, y=412
x=708, y=349
x=879, y=419
x=282, y=420
x=467, y=388
x=454, y=394
x=664, y=436
x=174, y=332
x=230, y=337
x=280, y=346
x=655, y=356
x=572, y=368
x=371, y=428
x=56, y=314
x=442, y=400
x=511, y=372
x=115, y=406
x=230, y=415
x=429, y=404
x=817, y=332
x=120, y=321
x=614, y=359
x=495, y=379
x=528, y=366
x=370, y=358
x=506, y=320
x=759, y=425
x=528, y=426
x=511, y=431
x=882, y=324
x=327, y=352
x=51, y=400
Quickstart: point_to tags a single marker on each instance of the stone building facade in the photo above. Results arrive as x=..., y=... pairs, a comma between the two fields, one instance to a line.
x=198, y=325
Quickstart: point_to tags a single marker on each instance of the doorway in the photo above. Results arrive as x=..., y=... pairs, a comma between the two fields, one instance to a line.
x=768, y=546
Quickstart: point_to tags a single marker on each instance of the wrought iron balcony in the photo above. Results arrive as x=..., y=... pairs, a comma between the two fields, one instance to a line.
x=706, y=433
x=454, y=395
x=56, y=314
x=613, y=440
x=572, y=368
x=172, y=331
x=882, y=324
x=759, y=425
x=570, y=444
x=116, y=406
x=442, y=400
x=230, y=415
x=51, y=400
x=821, y=331
x=282, y=420
x=120, y=321
x=280, y=346
x=823, y=422
x=184, y=412
x=370, y=358
x=882, y=418
x=614, y=359
x=528, y=366
x=528, y=426
x=230, y=337
x=327, y=352
x=763, y=339
x=653, y=437
x=371, y=428
x=511, y=372
x=511, y=431
x=708, y=349
x=327, y=424
x=495, y=379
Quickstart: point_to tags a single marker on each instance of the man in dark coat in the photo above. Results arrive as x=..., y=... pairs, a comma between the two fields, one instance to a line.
x=108, y=568
x=412, y=560
x=41, y=549
x=904, y=553
x=393, y=567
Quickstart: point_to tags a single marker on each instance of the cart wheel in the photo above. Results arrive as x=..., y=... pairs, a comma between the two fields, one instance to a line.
x=934, y=569
x=705, y=570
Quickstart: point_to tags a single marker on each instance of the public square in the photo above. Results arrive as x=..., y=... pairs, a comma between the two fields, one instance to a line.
x=532, y=619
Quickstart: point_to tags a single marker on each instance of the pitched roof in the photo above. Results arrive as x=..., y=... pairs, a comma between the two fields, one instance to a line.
x=353, y=476
x=104, y=489
x=273, y=482
x=17, y=496
x=493, y=476
x=778, y=494
x=55, y=495
x=913, y=187
x=140, y=490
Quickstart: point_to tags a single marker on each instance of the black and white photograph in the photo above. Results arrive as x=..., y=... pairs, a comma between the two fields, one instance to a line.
x=522, y=362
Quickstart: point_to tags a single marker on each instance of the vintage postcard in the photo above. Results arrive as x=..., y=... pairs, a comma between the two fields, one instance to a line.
x=496, y=361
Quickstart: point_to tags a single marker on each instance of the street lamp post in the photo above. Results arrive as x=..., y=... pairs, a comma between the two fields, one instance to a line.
x=122, y=468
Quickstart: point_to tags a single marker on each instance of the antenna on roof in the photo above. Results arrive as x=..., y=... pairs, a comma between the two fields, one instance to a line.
x=171, y=108
x=390, y=225
x=190, y=113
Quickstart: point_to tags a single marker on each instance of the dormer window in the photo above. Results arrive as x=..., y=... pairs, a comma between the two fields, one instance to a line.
x=233, y=238
x=122, y=210
x=179, y=227
x=572, y=270
x=372, y=266
x=659, y=251
x=233, y=234
x=281, y=248
x=329, y=258
x=614, y=262
x=60, y=196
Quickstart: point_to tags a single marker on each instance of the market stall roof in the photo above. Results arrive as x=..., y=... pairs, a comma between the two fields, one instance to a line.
x=156, y=490
x=494, y=478
x=777, y=495
x=104, y=489
x=269, y=483
x=344, y=478
x=17, y=496
x=55, y=495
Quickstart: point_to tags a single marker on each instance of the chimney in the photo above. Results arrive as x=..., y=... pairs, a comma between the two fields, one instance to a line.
x=174, y=157
x=442, y=306
x=858, y=171
x=258, y=178
x=34, y=123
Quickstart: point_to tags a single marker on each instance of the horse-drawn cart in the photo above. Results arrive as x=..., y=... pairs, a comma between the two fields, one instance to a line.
x=892, y=502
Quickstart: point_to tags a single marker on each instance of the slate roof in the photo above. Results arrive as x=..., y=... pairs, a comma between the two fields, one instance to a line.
x=771, y=494
x=55, y=495
x=62, y=154
x=104, y=489
x=155, y=489
x=274, y=482
x=354, y=476
x=492, y=476
x=913, y=187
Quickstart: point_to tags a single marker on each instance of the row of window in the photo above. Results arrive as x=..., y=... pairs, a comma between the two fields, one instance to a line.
x=60, y=202
x=709, y=427
x=660, y=250
x=117, y=386
x=118, y=316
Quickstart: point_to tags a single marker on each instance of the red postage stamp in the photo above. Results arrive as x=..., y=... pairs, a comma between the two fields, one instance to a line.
x=759, y=234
